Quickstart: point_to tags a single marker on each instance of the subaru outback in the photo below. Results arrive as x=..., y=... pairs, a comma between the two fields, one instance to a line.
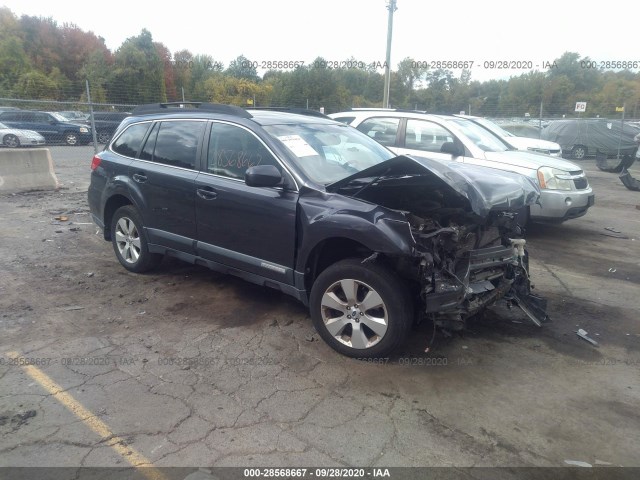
x=371, y=242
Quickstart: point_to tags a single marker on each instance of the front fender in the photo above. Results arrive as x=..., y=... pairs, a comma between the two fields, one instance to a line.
x=377, y=228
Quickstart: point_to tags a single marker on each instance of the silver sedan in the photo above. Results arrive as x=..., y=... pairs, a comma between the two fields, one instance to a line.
x=13, y=137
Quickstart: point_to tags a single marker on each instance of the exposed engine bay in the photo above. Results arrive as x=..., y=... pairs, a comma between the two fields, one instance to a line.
x=463, y=261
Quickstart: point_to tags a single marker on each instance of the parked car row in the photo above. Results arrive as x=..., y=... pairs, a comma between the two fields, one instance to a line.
x=71, y=128
x=368, y=239
x=565, y=190
x=13, y=137
x=51, y=125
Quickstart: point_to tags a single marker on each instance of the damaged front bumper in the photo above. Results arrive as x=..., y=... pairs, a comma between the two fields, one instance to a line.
x=481, y=278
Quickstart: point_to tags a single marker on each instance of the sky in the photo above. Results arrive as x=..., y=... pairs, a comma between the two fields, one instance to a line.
x=497, y=31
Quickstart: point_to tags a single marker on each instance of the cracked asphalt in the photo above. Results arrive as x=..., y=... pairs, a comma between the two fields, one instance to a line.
x=186, y=367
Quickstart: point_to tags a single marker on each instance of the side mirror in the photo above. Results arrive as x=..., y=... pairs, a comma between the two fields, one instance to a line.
x=452, y=149
x=262, y=176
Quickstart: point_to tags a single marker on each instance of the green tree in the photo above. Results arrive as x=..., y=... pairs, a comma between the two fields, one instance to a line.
x=138, y=75
x=242, y=67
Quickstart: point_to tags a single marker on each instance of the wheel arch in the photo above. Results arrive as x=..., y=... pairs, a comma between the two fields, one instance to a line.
x=333, y=249
x=113, y=203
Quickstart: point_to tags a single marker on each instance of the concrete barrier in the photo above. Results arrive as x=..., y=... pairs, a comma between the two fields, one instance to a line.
x=24, y=169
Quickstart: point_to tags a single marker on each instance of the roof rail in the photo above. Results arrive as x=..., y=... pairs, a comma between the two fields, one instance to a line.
x=299, y=111
x=191, y=106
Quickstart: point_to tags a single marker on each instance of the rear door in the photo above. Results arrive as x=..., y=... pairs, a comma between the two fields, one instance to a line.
x=250, y=228
x=164, y=176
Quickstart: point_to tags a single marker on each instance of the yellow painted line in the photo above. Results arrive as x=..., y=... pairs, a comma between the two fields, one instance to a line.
x=131, y=455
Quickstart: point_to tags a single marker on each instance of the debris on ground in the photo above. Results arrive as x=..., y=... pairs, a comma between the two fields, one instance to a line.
x=578, y=463
x=611, y=229
x=585, y=336
x=73, y=307
x=61, y=218
x=615, y=235
x=613, y=270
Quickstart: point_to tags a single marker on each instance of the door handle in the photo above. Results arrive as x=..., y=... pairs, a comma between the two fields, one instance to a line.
x=206, y=194
x=139, y=177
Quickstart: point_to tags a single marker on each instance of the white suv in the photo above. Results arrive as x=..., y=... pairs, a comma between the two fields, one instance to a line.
x=521, y=143
x=565, y=190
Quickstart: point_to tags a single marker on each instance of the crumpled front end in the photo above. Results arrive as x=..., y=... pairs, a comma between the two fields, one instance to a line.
x=467, y=247
x=467, y=266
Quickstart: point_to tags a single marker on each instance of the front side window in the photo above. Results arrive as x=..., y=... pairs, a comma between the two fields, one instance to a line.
x=129, y=143
x=426, y=136
x=382, y=129
x=232, y=150
x=176, y=143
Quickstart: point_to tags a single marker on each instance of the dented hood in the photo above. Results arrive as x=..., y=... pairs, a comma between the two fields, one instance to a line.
x=484, y=188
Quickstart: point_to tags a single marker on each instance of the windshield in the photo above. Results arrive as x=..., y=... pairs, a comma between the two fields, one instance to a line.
x=481, y=137
x=494, y=127
x=328, y=153
x=59, y=117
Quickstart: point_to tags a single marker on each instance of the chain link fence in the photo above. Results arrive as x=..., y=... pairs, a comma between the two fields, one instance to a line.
x=102, y=118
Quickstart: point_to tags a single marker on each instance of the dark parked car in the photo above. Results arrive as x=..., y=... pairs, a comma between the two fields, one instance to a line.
x=580, y=138
x=106, y=124
x=368, y=240
x=52, y=126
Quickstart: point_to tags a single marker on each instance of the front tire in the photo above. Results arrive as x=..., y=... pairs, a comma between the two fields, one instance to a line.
x=71, y=139
x=11, y=141
x=360, y=309
x=130, y=241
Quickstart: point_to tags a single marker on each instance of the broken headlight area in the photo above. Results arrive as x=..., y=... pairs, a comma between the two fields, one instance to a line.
x=468, y=265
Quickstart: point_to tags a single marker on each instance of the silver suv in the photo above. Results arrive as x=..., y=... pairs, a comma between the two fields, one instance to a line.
x=565, y=190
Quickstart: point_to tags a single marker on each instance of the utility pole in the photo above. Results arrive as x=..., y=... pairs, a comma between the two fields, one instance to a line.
x=391, y=6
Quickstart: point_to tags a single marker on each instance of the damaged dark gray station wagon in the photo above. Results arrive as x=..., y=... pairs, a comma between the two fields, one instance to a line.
x=369, y=241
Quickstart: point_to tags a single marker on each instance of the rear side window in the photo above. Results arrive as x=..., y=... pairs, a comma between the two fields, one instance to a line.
x=382, y=130
x=129, y=143
x=9, y=117
x=176, y=143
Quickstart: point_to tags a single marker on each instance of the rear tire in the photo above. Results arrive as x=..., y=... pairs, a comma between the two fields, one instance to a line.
x=103, y=137
x=130, y=241
x=578, y=152
x=361, y=310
